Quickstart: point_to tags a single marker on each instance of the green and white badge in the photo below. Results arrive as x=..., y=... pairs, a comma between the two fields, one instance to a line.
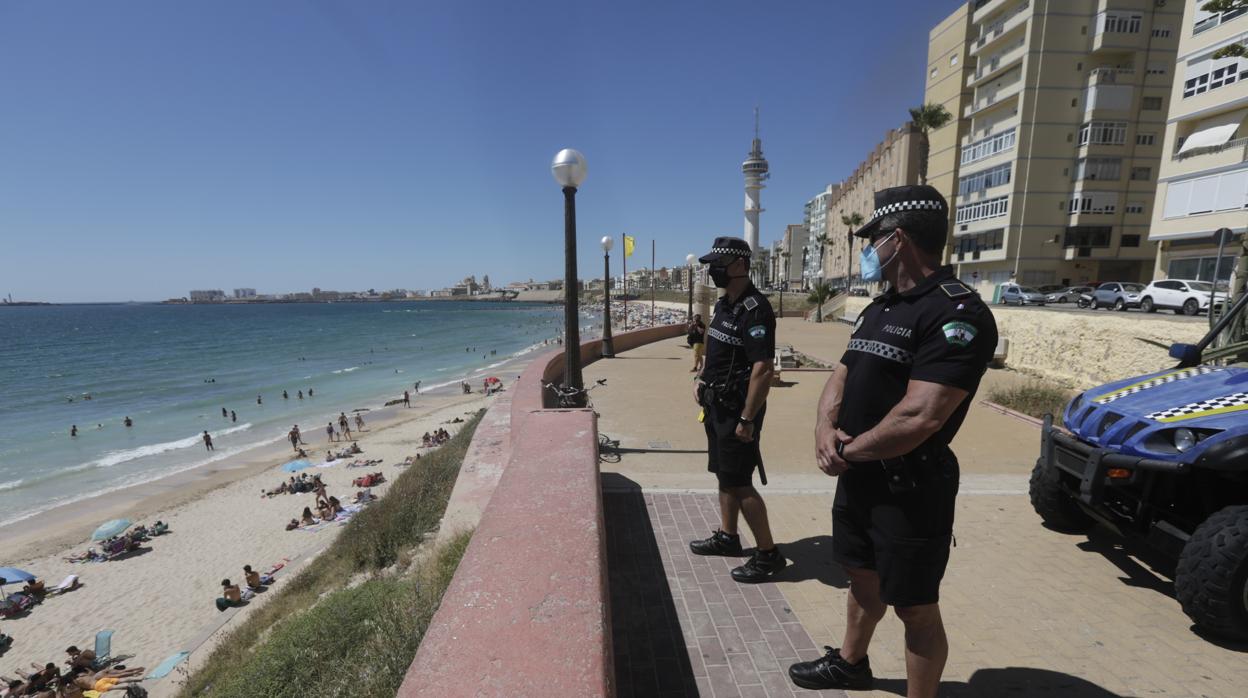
x=959, y=333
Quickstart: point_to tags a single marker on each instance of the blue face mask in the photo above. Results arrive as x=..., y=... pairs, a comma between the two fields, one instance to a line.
x=872, y=269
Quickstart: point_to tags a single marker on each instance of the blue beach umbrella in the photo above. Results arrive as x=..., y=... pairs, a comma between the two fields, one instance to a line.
x=12, y=574
x=296, y=465
x=111, y=528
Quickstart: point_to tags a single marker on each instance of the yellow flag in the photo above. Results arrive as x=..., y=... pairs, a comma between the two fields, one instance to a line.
x=629, y=243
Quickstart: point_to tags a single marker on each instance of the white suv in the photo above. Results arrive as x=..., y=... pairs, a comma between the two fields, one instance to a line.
x=1179, y=295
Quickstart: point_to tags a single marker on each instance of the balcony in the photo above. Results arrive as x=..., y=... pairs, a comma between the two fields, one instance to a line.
x=1000, y=96
x=1216, y=20
x=992, y=34
x=998, y=63
x=1111, y=76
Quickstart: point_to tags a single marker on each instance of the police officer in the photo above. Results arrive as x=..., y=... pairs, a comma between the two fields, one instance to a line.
x=732, y=390
x=884, y=423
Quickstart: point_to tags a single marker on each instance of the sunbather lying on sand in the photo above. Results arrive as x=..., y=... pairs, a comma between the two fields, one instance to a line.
x=364, y=496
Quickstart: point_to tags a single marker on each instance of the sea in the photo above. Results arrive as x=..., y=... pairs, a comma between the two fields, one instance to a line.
x=172, y=369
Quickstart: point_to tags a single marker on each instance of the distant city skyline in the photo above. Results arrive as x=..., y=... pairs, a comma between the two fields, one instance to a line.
x=153, y=148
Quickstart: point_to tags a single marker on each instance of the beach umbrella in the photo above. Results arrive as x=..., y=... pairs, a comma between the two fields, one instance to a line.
x=111, y=528
x=9, y=575
x=296, y=465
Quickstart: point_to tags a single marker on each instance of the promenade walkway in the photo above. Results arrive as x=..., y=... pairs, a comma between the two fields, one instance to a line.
x=1030, y=612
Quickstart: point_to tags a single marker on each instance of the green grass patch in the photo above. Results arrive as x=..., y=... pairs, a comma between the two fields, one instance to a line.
x=1034, y=398
x=313, y=631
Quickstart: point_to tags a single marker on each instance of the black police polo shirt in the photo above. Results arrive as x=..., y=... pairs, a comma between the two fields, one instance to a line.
x=739, y=335
x=939, y=331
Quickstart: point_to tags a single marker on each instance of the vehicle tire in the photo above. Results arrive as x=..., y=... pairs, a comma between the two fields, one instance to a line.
x=1053, y=503
x=1061, y=299
x=1094, y=304
x=1191, y=307
x=1147, y=305
x=1120, y=305
x=1211, y=580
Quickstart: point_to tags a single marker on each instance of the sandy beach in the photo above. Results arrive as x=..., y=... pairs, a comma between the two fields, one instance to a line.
x=160, y=600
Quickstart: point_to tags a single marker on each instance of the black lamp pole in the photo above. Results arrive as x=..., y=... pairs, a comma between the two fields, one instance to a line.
x=689, y=279
x=608, y=351
x=571, y=332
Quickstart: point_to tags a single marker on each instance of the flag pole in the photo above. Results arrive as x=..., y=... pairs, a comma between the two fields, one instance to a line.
x=624, y=296
x=652, y=282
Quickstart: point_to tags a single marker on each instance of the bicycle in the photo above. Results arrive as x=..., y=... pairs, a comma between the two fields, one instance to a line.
x=568, y=397
x=608, y=449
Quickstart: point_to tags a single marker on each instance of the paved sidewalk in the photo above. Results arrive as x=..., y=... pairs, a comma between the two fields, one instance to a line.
x=1029, y=612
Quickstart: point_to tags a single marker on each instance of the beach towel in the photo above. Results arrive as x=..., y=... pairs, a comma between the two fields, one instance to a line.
x=162, y=670
x=65, y=585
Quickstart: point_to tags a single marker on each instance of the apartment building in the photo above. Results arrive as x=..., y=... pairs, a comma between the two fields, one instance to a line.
x=815, y=219
x=1203, y=185
x=950, y=74
x=1061, y=146
x=892, y=163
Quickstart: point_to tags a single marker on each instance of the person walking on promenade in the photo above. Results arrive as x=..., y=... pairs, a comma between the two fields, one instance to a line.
x=884, y=423
x=407, y=399
x=732, y=390
x=697, y=340
x=208, y=441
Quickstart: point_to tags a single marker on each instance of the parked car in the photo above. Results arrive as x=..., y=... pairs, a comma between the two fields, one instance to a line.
x=1069, y=294
x=1020, y=295
x=859, y=291
x=1118, y=295
x=1180, y=295
x=1049, y=288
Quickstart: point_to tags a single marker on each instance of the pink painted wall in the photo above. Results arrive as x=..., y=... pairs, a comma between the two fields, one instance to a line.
x=527, y=613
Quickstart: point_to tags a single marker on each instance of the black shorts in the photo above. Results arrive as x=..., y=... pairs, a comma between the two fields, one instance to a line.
x=902, y=536
x=732, y=460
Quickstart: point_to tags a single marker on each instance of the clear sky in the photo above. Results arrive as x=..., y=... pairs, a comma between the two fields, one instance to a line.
x=148, y=148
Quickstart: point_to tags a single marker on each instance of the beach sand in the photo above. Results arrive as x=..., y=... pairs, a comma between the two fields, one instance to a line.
x=160, y=601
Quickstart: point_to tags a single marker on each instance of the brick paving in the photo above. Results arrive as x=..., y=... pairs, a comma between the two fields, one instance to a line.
x=681, y=626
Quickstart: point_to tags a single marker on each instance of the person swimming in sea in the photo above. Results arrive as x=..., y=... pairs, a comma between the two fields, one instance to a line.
x=300, y=394
x=285, y=396
x=128, y=422
x=259, y=401
x=233, y=417
x=73, y=430
x=224, y=414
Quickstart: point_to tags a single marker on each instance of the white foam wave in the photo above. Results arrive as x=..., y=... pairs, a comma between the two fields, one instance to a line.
x=112, y=458
x=346, y=370
x=11, y=485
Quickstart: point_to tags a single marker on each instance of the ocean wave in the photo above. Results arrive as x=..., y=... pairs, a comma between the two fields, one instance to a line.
x=11, y=485
x=346, y=370
x=113, y=458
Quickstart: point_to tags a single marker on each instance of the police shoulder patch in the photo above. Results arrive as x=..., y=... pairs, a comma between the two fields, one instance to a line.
x=758, y=331
x=959, y=333
x=858, y=323
x=750, y=302
x=955, y=289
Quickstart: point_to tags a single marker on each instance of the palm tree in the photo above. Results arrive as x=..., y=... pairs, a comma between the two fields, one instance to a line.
x=819, y=294
x=853, y=221
x=927, y=117
x=822, y=239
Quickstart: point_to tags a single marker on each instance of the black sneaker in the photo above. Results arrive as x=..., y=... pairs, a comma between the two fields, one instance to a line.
x=832, y=671
x=719, y=543
x=760, y=567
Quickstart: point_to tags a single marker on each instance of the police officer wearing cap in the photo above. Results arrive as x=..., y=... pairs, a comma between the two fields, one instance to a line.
x=884, y=423
x=732, y=390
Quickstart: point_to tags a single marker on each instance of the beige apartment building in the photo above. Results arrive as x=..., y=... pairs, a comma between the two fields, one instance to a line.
x=1060, y=137
x=950, y=72
x=1203, y=185
x=893, y=162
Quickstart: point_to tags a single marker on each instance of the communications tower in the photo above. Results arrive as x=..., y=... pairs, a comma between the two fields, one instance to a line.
x=756, y=172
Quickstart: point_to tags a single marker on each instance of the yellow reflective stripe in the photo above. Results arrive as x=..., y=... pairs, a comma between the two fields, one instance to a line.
x=1205, y=413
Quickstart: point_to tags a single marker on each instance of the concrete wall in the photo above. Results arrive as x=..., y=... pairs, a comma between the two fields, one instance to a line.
x=527, y=612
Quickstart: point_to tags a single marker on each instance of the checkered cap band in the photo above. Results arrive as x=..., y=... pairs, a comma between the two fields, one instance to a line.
x=907, y=206
x=730, y=251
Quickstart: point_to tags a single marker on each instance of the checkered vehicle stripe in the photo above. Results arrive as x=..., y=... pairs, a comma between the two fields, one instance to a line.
x=1234, y=402
x=724, y=337
x=907, y=206
x=1154, y=382
x=883, y=350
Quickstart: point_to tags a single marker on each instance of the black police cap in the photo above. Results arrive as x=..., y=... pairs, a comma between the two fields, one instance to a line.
x=912, y=197
x=726, y=249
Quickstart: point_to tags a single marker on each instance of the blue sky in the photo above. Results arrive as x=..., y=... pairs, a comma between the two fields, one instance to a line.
x=147, y=148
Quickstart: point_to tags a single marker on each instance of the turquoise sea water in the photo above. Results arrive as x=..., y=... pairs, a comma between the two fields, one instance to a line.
x=151, y=363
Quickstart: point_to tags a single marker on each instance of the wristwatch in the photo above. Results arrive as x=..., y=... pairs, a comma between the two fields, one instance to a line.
x=743, y=420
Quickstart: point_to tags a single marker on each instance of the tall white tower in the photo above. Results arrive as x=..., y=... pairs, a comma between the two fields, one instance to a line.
x=755, y=170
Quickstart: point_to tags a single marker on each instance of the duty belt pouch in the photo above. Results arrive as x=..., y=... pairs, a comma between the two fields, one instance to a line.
x=900, y=475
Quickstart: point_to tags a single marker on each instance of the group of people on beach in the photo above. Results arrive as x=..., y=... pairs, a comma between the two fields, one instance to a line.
x=85, y=674
x=254, y=582
x=121, y=544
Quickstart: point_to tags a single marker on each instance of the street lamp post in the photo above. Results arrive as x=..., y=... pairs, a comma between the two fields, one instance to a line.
x=689, y=278
x=569, y=171
x=608, y=350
